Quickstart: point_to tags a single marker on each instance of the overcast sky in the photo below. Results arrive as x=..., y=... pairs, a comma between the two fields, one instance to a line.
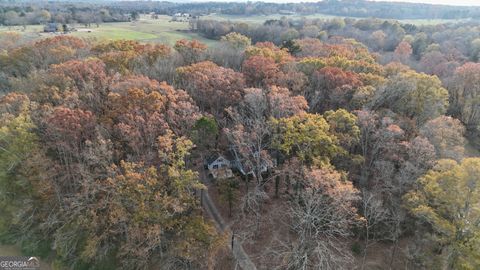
x=443, y=2
x=439, y=2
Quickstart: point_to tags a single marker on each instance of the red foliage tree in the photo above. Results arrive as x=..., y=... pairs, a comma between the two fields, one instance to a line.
x=403, y=51
x=213, y=88
x=87, y=79
x=260, y=71
x=333, y=88
x=67, y=129
x=283, y=104
x=141, y=110
x=67, y=133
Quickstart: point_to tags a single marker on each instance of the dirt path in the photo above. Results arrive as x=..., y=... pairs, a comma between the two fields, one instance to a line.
x=239, y=253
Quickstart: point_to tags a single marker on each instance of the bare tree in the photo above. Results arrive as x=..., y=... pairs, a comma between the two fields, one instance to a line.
x=375, y=214
x=321, y=230
x=322, y=218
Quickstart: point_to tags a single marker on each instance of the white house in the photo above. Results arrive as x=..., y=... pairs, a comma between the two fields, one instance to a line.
x=218, y=167
x=181, y=17
x=217, y=161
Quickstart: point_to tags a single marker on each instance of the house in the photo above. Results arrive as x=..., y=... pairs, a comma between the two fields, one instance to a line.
x=216, y=161
x=244, y=168
x=66, y=28
x=218, y=167
x=181, y=17
x=56, y=27
x=51, y=27
x=286, y=12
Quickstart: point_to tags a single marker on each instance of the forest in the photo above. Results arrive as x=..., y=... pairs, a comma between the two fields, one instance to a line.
x=304, y=143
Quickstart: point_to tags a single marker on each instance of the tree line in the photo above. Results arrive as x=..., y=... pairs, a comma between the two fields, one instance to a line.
x=34, y=12
x=71, y=13
x=357, y=8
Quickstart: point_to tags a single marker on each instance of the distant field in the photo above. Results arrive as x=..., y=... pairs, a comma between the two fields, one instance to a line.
x=432, y=21
x=258, y=19
x=162, y=30
x=148, y=30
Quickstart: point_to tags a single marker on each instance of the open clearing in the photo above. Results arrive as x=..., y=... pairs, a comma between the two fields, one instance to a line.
x=160, y=30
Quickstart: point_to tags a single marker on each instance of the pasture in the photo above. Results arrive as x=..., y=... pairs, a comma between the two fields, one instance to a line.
x=160, y=30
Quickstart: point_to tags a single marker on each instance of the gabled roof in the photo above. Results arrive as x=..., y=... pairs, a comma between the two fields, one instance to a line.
x=214, y=156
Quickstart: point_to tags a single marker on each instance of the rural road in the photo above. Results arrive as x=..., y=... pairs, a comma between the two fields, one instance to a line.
x=239, y=253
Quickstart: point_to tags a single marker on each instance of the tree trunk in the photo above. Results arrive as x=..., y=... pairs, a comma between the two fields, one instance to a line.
x=277, y=184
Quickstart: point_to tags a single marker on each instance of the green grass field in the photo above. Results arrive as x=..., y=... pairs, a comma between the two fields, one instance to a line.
x=160, y=30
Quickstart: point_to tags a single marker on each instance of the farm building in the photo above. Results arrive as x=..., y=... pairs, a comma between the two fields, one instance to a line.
x=51, y=27
x=181, y=17
x=56, y=27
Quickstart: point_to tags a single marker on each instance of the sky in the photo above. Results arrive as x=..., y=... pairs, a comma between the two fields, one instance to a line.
x=442, y=2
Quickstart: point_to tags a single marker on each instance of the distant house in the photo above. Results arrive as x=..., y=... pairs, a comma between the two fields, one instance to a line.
x=51, y=28
x=286, y=12
x=67, y=28
x=56, y=27
x=181, y=17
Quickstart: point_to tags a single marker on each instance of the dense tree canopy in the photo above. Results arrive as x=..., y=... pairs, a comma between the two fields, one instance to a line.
x=336, y=137
x=453, y=218
x=414, y=95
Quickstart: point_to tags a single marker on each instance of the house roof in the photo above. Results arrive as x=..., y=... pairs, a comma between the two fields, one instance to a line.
x=228, y=155
x=212, y=157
